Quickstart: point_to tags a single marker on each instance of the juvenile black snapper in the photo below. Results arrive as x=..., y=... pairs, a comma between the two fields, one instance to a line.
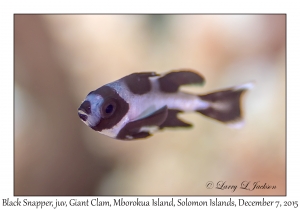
x=136, y=105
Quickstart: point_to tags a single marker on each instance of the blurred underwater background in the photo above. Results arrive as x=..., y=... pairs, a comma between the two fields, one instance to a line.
x=59, y=59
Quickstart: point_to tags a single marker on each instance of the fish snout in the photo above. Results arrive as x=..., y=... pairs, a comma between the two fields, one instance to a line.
x=84, y=110
x=82, y=116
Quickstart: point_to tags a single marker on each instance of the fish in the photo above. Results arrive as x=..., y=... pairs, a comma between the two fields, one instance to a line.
x=139, y=104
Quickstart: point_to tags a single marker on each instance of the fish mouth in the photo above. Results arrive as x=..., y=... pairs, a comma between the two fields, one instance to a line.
x=83, y=117
x=85, y=107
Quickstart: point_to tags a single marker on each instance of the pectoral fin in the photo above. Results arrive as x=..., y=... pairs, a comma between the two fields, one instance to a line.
x=141, y=128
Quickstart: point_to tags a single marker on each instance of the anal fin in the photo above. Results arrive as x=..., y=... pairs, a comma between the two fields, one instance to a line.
x=173, y=121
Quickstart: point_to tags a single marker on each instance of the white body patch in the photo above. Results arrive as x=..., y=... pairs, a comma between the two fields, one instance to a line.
x=246, y=86
x=236, y=125
x=150, y=129
x=113, y=132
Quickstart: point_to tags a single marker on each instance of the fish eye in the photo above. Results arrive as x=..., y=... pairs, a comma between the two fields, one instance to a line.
x=108, y=108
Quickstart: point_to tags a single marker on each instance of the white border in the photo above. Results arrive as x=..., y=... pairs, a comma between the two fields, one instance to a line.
x=6, y=73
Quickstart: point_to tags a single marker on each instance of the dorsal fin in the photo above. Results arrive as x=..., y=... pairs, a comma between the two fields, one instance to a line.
x=139, y=83
x=171, y=82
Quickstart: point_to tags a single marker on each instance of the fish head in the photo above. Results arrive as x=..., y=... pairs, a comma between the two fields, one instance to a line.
x=90, y=111
x=102, y=109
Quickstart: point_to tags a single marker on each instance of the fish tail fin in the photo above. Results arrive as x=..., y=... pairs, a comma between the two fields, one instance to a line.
x=225, y=105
